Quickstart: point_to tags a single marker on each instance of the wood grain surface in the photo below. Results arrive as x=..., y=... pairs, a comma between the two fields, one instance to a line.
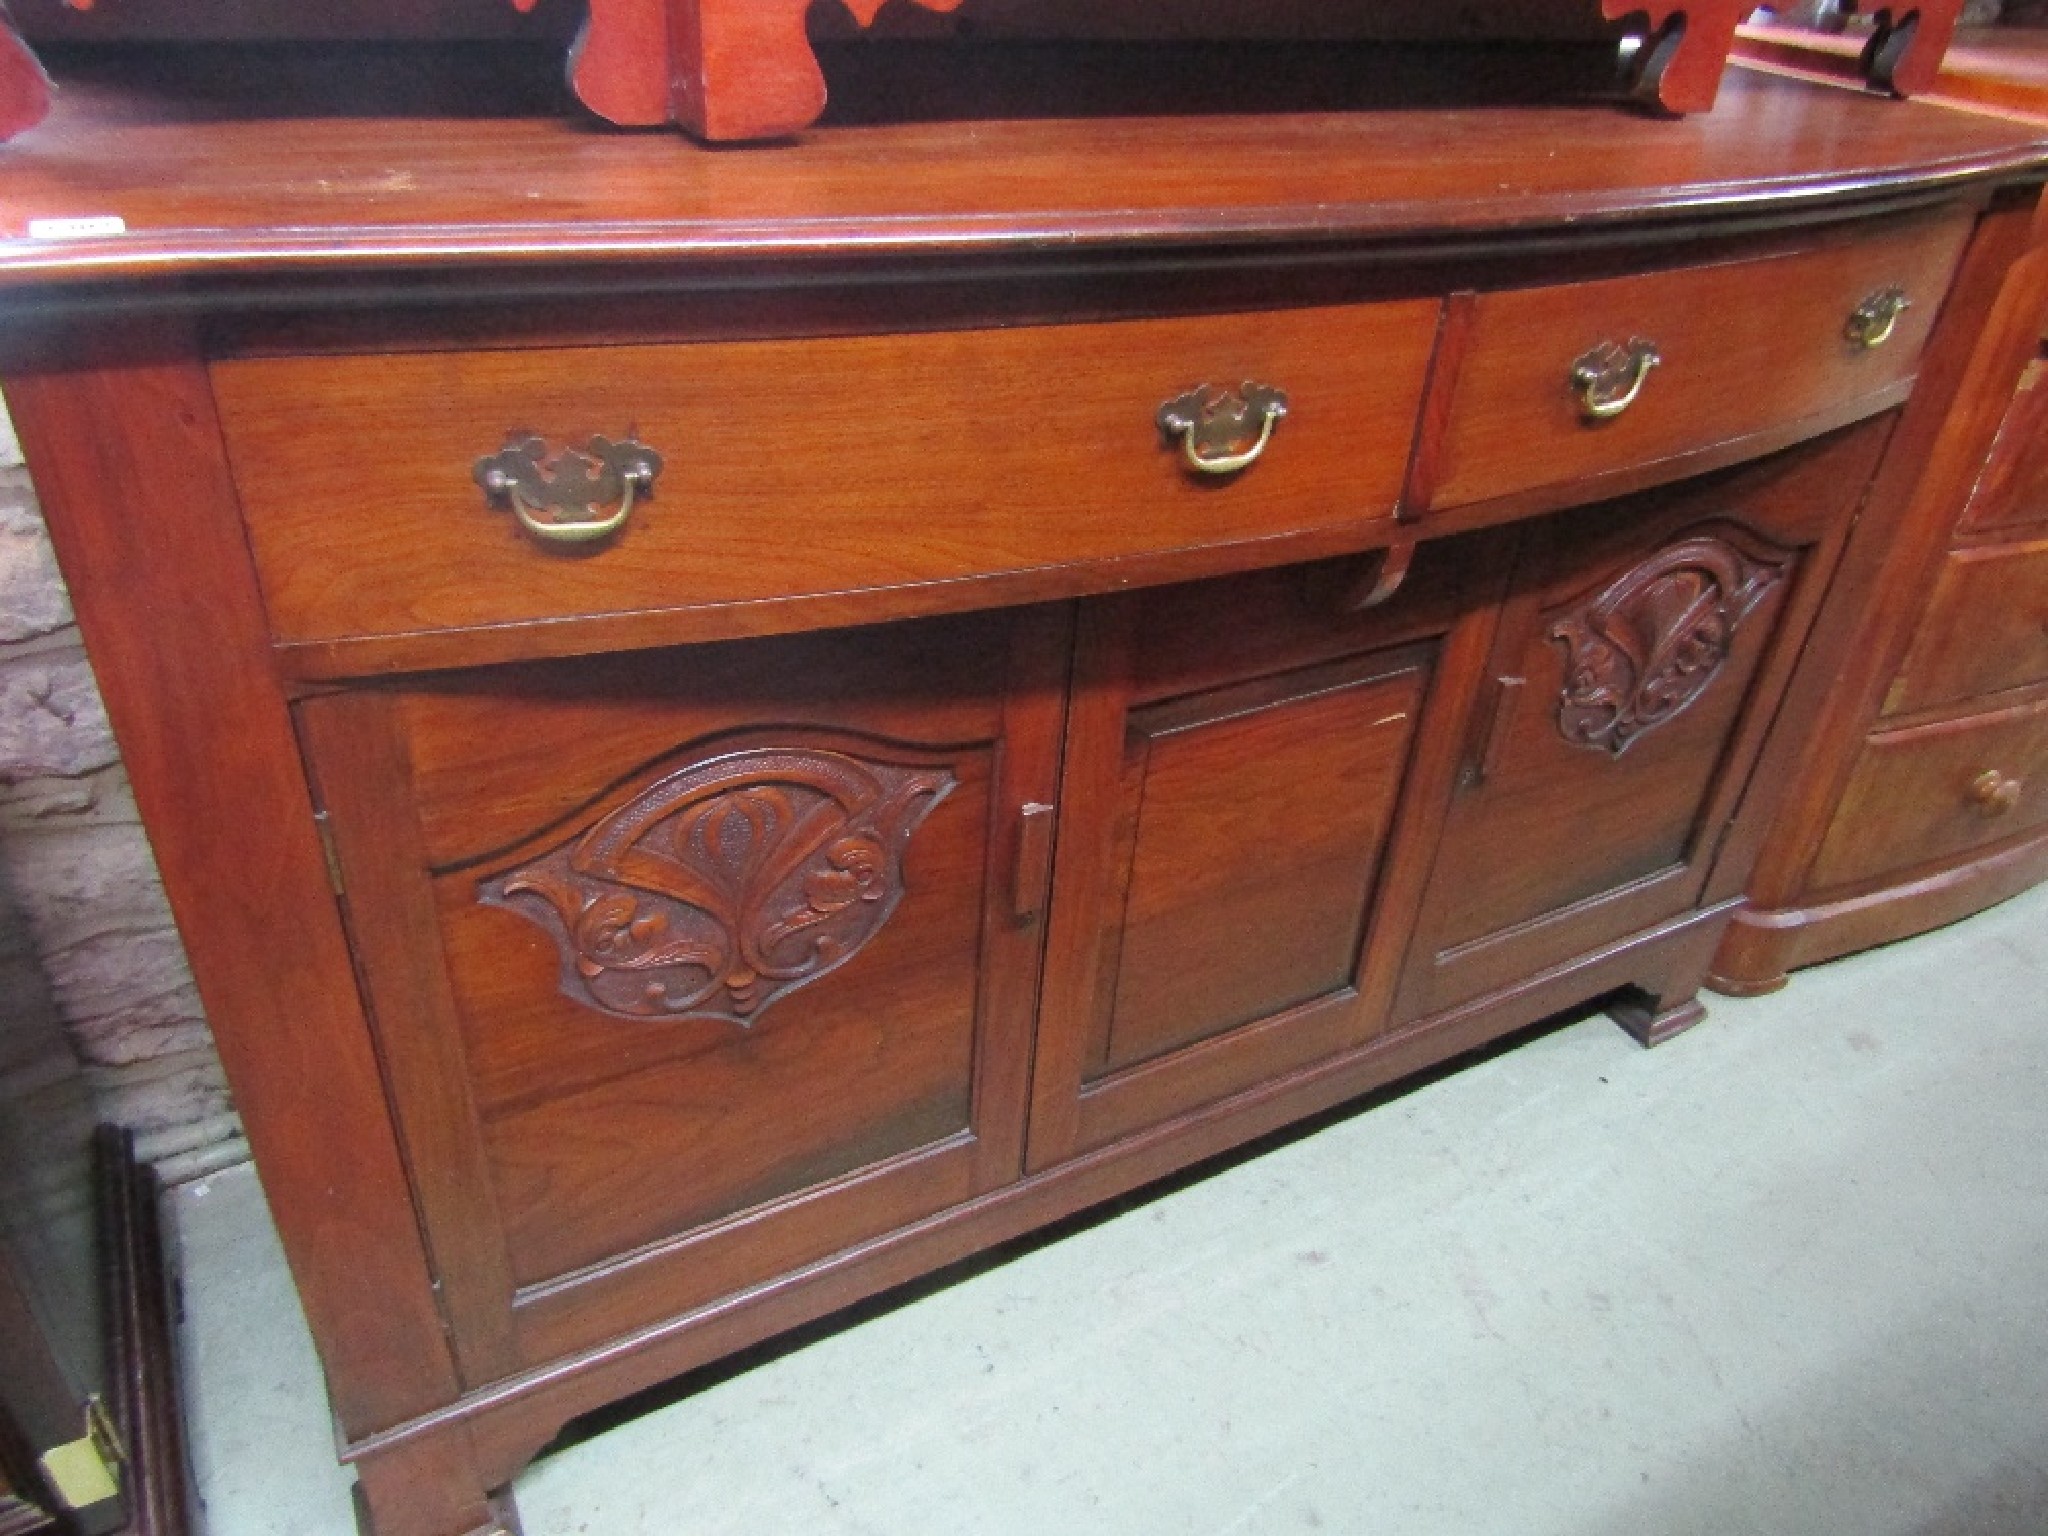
x=806, y=467
x=213, y=196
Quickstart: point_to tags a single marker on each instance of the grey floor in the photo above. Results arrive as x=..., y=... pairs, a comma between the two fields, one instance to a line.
x=1787, y=1274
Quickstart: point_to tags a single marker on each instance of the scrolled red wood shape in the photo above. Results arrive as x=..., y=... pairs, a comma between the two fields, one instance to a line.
x=1654, y=641
x=24, y=88
x=1910, y=42
x=1685, y=52
x=728, y=884
x=724, y=69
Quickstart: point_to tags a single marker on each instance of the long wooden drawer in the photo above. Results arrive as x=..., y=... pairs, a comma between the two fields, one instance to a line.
x=1937, y=792
x=1720, y=354
x=798, y=467
x=1986, y=628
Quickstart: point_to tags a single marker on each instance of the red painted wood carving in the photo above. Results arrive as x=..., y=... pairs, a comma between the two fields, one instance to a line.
x=1680, y=62
x=728, y=884
x=743, y=69
x=24, y=88
x=1654, y=641
x=1909, y=43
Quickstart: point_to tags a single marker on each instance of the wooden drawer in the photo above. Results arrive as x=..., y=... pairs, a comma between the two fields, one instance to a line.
x=801, y=467
x=2013, y=489
x=1986, y=628
x=1746, y=349
x=1936, y=792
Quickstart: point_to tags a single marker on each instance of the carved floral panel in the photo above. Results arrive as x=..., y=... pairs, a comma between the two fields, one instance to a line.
x=728, y=884
x=1649, y=645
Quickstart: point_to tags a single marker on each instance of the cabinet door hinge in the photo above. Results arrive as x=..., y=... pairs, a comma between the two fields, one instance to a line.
x=326, y=830
x=88, y=1470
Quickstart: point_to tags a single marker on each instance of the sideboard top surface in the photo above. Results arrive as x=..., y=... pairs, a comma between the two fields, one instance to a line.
x=199, y=190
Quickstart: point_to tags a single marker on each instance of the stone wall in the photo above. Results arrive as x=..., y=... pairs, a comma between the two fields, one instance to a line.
x=77, y=879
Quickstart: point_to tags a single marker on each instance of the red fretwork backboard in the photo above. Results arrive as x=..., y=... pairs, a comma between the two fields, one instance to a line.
x=732, y=70
x=743, y=69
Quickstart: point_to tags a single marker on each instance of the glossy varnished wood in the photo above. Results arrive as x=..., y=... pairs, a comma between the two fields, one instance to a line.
x=224, y=197
x=589, y=1142
x=1743, y=348
x=600, y=1172
x=803, y=468
x=1559, y=839
x=1240, y=833
x=1985, y=630
x=1991, y=331
x=1926, y=793
x=133, y=423
x=2012, y=491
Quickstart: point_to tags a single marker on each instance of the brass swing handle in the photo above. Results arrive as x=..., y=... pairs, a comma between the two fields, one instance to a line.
x=1609, y=379
x=1995, y=793
x=1873, y=321
x=1223, y=431
x=576, y=496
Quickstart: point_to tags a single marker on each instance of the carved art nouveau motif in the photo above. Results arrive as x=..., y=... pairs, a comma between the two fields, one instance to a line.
x=728, y=884
x=1657, y=637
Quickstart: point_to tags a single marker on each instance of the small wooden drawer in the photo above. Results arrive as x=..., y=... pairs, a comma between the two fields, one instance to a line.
x=1986, y=628
x=1723, y=360
x=795, y=468
x=2013, y=489
x=1937, y=792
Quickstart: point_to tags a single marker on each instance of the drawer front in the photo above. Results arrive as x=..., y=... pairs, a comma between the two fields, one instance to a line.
x=1986, y=628
x=1938, y=792
x=1742, y=349
x=2013, y=490
x=826, y=465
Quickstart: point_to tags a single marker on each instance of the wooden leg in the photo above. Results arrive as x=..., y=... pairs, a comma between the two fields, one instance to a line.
x=1652, y=1021
x=1670, y=1005
x=430, y=1487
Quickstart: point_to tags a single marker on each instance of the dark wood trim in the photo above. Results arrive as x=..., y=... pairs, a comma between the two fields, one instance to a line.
x=143, y=1394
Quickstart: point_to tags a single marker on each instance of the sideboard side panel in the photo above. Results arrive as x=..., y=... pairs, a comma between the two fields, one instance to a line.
x=1987, y=328
x=123, y=442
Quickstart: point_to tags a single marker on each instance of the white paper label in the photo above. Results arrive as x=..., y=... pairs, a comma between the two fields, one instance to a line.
x=76, y=229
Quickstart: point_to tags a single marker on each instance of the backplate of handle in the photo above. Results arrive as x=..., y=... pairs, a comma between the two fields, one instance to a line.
x=1610, y=378
x=1872, y=322
x=576, y=496
x=1223, y=431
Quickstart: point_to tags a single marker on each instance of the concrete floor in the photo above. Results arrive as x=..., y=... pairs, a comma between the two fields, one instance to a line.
x=1787, y=1274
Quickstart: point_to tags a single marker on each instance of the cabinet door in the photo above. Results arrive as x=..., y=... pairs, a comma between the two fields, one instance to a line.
x=1639, y=655
x=694, y=967
x=1247, y=762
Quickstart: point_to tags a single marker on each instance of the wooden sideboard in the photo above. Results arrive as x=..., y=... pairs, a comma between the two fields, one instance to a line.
x=726, y=730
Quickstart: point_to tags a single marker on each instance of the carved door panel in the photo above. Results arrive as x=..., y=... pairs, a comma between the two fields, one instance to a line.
x=1242, y=832
x=1640, y=652
x=694, y=967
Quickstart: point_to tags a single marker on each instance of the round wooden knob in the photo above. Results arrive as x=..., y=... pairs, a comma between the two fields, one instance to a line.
x=1995, y=793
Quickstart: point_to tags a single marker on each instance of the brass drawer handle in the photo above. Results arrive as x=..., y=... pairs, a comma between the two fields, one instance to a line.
x=1996, y=793
x=562, y=498
x=1223, y=431
x=1874, y=320
x=1609, y=379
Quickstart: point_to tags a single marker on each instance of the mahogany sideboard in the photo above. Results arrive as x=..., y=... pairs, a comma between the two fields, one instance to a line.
x=725, y=730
